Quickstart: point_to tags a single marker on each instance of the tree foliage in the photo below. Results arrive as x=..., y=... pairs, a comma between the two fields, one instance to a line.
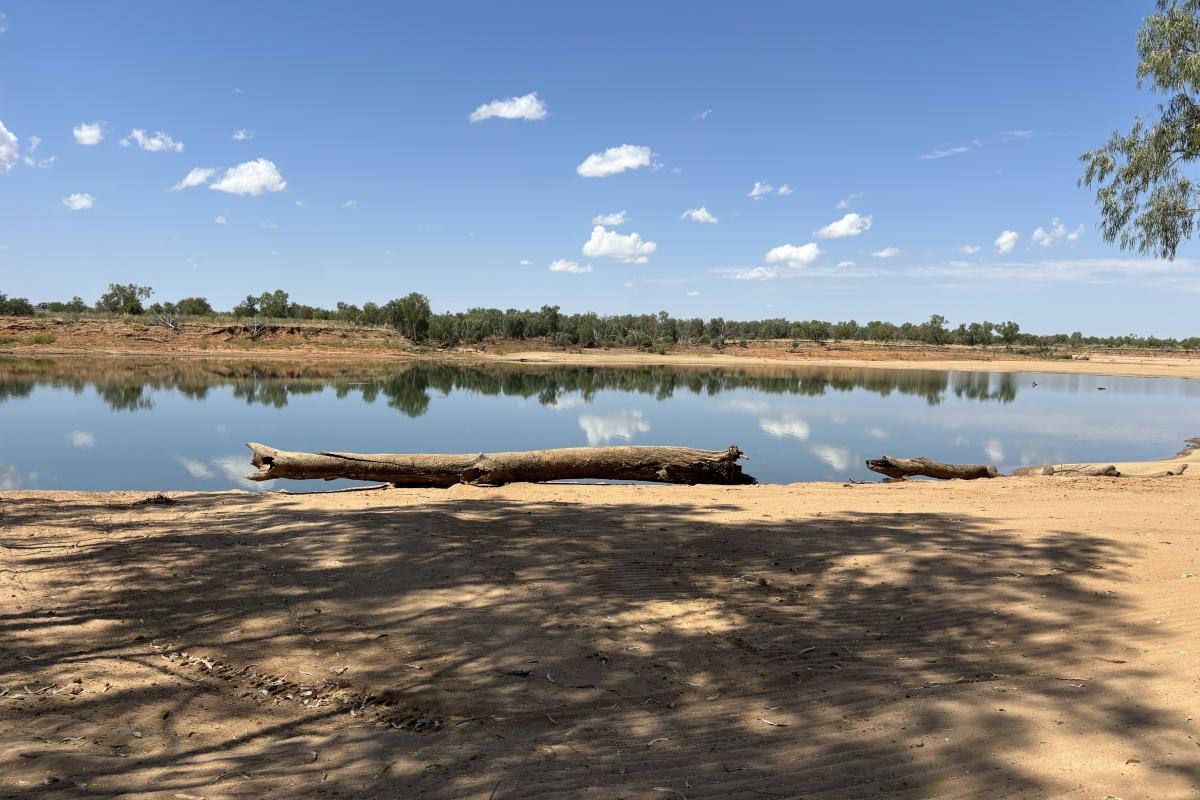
x=15, y=306
x=410, y=315
x=274, y=304
x=1147, y=202
x=124, y=298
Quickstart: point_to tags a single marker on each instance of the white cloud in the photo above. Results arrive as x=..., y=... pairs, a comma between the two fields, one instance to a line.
x=794, y=255
x=750, y=273
x=1006, y=241
x=9, y=145
x=527, y=106
x=3, y=23
x=759, y=190
x=563, y=265
x=785, y=190
x=994, y=450
x=619, y=218
x=614, y=160
x=878, y=433
x=350, y=204
x=845, y=264
x=836, y=457
x=88, y=133
x=787, y=426
x=693, y=293
x=82, y=439
x=251, y=177
x=268, y=225
x=622, y=425
x=242, y=135
x=949, y=151
x=525, y=262
x=1057, y=231
x=1010, y=136
x=30, y=149
x=220, y=220
x=700, y=214
x=970, y=249
x=887, y=252
x=1181, y=273
x=850, y=225
x=198, y=176
x=624, y=247
x=80, y=201
x=158, y=143
x=301, y=204
x=703, y=115
x=847, y=200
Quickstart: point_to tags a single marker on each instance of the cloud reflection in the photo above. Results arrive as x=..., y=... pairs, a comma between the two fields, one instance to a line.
x=622, y=425
x=82, y=439
x=10, y=478
x=232, y=468
x=837, y=457
x=785, y=426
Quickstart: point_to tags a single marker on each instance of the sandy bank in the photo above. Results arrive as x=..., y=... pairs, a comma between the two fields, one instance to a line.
x=1137, y=366
x=1025, y=637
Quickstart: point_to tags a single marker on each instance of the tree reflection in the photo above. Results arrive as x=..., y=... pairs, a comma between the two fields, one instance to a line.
x=126, y=385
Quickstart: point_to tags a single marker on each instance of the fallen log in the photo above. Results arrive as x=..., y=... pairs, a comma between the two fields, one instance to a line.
x=1082, y=471
x=1090, y=471
x=657, y=464
x=903, y=468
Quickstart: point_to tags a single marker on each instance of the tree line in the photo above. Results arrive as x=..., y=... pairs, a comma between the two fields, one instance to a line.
x=412, y=316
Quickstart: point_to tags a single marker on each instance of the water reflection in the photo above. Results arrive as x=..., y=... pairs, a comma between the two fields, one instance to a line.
x=128, y=385
x=181, y=424
x=623, y=425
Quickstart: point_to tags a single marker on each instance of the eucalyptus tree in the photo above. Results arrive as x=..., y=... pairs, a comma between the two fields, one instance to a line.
x=1147, y=197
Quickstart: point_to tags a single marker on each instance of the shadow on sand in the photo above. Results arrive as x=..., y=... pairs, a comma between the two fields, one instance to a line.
x=517, y=650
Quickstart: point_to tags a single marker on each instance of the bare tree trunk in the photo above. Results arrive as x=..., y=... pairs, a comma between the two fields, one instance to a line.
x=1079, y=470
x=902, y=468
x=657, y=464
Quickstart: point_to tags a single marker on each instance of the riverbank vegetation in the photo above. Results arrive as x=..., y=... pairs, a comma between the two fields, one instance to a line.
x=413, y=317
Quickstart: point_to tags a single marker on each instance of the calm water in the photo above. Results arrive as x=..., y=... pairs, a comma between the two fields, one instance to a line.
x=71, y=424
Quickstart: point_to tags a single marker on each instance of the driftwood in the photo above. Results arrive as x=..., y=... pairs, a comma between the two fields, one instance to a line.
x=1089, y=471
x=903, y=468
x=1081, y=470
x=657, y=464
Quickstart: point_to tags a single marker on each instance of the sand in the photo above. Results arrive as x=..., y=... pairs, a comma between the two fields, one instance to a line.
x=967, y=359
x=1015, y=638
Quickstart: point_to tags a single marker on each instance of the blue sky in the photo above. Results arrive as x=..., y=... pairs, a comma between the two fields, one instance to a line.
x=361, y=176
